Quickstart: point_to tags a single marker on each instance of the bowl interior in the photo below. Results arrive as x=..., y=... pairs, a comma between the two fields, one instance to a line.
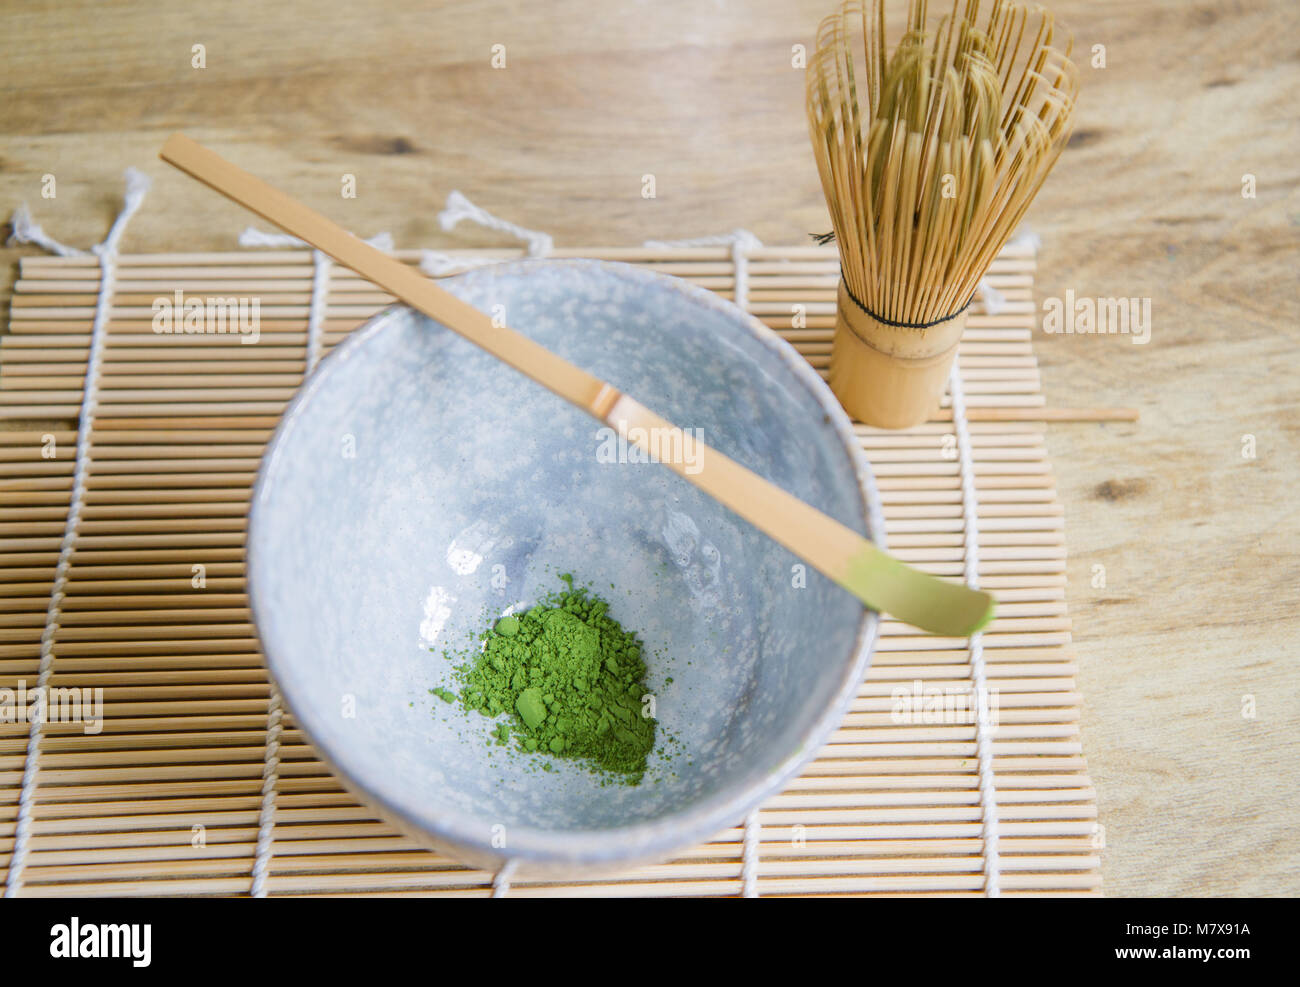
x=417, y=488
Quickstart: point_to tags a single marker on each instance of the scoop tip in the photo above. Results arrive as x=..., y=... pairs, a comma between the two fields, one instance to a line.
x=990, y=612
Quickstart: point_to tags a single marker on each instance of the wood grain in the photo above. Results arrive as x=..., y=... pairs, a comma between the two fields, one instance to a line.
x=1201, y=546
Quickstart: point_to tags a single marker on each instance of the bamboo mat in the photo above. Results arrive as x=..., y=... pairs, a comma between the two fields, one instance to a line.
x=169, y=797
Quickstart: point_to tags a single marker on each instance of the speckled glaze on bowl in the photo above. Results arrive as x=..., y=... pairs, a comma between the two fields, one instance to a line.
x=416, y=487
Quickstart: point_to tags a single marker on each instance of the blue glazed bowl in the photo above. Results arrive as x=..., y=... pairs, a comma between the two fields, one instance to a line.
x=416, y=488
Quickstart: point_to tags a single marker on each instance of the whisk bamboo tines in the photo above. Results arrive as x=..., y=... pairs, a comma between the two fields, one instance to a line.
x=929, y=156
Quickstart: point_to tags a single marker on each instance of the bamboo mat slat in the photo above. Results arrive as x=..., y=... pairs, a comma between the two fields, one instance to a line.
x=168, y=798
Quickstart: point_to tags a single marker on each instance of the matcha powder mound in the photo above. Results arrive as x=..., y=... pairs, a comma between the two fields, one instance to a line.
x=572, y=681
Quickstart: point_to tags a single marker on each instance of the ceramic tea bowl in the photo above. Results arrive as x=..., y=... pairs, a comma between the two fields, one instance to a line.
x=416, y=488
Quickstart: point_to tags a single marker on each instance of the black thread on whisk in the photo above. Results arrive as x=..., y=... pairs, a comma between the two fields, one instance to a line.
x=824, y=238
x=902, y=325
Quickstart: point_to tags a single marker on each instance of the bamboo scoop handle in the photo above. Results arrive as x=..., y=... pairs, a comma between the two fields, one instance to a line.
x=873, y=576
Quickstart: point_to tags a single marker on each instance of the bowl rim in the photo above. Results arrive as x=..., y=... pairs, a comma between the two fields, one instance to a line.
x=699, y=821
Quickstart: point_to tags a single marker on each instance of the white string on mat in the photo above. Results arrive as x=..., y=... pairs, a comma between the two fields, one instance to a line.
x=274, y=703
x=501, y=881
x=1025, y=239
x=27, y=231
x=320, y=289
x=270, y=782
x=431, y=262
x=436, y=264
x=979, y=680
x=459, y=207
x=322, y=265
x=992, y=299
x=741, y=242
x=253, y=237
x=749, y=857
x=320, y=280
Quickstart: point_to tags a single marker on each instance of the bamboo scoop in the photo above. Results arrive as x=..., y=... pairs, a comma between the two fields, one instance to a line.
x=873, y=576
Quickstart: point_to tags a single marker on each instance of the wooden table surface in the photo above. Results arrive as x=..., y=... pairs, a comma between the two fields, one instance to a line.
x=1199, y=617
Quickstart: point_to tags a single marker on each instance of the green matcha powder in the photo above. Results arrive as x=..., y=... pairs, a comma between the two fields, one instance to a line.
x=571, y=680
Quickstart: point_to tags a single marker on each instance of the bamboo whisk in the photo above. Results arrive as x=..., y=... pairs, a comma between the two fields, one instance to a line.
x=930, y=155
